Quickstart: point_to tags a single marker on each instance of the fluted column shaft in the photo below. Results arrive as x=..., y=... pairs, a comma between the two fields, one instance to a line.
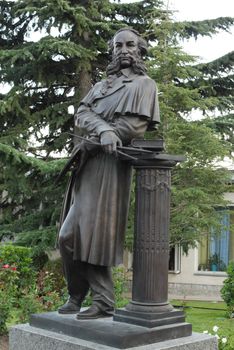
x=151, y=241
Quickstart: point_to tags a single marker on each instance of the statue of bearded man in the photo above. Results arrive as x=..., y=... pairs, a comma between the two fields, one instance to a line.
x=91, y=239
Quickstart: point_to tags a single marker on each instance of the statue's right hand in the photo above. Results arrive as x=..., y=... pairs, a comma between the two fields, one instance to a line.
x=86, y=146
x=109, y=141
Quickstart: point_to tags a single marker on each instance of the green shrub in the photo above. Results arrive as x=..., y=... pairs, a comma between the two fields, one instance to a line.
x=28, y=304
x=55, y=269
x=24, y=291
x=17, y=278
x=39, y=259
x=49, y=297
x=18, y=258
x=225, y=337
x=9, y=279
x=227, y=292
x=120, y=282
x=5, y=308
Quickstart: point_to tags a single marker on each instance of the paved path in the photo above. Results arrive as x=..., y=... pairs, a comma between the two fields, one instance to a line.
x=195, y=297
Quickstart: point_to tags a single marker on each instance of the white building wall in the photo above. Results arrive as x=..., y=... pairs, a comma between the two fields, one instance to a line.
x=189, y=274
x=191, y=284
x=188, y=282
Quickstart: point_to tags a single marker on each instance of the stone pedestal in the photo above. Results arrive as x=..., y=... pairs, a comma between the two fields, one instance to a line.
x=106, y=331
x=149, y=306
x=25, y=337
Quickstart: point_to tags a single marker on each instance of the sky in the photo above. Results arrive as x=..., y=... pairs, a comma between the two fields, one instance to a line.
x=207, y=49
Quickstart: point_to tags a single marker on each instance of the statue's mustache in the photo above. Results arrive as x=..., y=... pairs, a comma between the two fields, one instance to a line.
x=118, y=57
x=136, y=63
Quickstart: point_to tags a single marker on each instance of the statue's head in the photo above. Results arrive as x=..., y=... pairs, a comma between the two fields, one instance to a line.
x=128, y=49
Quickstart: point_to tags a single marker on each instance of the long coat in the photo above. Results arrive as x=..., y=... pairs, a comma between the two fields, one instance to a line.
x=98, y=197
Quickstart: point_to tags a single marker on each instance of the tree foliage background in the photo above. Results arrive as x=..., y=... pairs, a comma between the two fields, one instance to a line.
x=51, y=52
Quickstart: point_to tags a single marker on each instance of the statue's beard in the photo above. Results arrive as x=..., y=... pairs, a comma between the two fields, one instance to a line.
x=136, y=64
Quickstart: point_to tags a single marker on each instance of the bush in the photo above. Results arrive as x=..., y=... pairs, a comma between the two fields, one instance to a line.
x=55, y=269
x=225, y=338
x=28, y=304
x=227, y=292
x=20, y=259
x=39, y=259
x=49, y=297
x=120, y=282
x=8, y=289
x=9, y=279
x=24, y=291
x=5, y=308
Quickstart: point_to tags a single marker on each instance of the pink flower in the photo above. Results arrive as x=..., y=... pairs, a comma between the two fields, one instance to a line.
x=6, y=266
x=14, y=268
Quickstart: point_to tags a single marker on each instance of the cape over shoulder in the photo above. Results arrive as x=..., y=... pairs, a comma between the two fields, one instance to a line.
x=140, y=98
x=133, y=94
x=97, y=92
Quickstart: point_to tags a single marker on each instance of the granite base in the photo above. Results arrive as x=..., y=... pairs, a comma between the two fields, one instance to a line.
x=26, y=337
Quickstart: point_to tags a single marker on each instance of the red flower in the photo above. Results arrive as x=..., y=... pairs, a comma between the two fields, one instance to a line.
x=6, y=266
x=14, y=268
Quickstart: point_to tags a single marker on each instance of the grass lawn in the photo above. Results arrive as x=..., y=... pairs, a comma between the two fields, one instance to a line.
x=205, y=315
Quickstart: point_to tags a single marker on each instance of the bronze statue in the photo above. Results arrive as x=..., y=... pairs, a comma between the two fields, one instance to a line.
x=91, y=239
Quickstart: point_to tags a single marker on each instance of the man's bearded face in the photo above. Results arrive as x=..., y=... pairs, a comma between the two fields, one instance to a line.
x=126, y=49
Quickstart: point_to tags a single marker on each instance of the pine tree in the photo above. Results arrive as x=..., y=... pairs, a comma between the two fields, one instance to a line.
x=198, y=184
x=47, y=75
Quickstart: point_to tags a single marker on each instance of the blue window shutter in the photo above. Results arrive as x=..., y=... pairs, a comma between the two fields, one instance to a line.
x=224, y=238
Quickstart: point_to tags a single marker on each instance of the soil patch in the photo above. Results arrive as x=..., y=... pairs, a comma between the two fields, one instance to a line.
x=4, y=342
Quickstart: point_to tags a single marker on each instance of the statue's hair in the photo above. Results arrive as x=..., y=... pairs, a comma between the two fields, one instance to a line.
x=138, y=64
x=142, y=44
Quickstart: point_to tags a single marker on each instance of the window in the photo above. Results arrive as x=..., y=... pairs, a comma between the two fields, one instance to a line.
x=174, y=259
x=217, y=249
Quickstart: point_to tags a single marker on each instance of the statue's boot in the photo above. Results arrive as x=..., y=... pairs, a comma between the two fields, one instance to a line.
x=72, y=306
x=95, y=311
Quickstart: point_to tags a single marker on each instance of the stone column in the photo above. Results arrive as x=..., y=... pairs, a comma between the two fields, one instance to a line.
x=151, y=242
x=149, y=306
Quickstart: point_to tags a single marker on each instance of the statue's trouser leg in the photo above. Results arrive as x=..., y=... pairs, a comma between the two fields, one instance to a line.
x=75, y=276
x=101, y=284
x=81, y=276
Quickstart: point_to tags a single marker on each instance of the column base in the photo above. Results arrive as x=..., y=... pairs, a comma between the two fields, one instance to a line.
x=149, y=307
x=151, y=319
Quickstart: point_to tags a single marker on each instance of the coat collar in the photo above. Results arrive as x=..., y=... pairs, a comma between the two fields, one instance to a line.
x=105, y=88
x=116, y=82
x=127, y=72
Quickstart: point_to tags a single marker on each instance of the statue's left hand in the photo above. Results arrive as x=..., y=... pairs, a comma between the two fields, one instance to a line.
x=109, y=141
